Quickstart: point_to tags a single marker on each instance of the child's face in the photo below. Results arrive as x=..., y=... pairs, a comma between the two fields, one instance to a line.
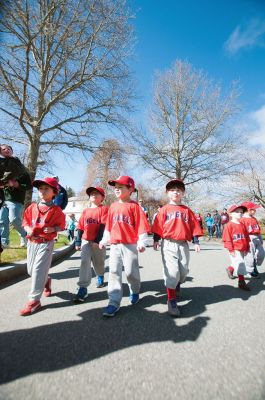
x=6, y=151
x=95, y=197
x=237, y=213
x=251, y=211
x=122, y=192
x=46, y=192
x=175, y=194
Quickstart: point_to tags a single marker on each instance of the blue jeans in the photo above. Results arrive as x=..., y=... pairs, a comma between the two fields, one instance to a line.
x=11, y=213
x=217, y=231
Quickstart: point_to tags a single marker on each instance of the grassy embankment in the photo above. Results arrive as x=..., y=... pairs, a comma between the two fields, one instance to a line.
x=16, y=253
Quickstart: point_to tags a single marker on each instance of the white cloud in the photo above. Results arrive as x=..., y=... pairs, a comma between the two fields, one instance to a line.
x=256, y=123
x=250, y=35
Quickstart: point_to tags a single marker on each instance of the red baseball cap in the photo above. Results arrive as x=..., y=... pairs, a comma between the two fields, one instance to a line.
x=175, y=182
x=47, y=181
x=123, y=180
x=97, y=188
x=250, y=205
x=235, y=206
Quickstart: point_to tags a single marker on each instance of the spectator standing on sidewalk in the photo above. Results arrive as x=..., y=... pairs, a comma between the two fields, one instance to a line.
x=217, y=224
x=209, y=224
x=224, y=219
x=14, y=196
x=61, y=199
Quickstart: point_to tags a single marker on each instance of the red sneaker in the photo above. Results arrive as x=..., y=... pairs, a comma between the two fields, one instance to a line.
x=48, y=287
x=31, y=307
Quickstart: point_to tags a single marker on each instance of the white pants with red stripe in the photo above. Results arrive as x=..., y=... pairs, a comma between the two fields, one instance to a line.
x=89, y=254
x=255, y=254
x=39, y=258
x=123, y=255
x=175, y=257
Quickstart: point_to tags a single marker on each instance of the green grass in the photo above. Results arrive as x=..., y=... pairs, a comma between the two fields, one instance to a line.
x=16, y=253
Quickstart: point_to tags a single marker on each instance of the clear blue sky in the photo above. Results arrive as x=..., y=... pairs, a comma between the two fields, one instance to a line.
x=226, y=39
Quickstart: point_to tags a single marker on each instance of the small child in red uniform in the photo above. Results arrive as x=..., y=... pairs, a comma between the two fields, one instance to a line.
x=236, y=241
x=255, y=256
x=41, y=221
x=90, y=229
x=177, y=225
x=126, y=230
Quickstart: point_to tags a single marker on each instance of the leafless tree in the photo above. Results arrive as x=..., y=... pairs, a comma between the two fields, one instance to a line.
x=186, y=136
x=63, y=73
x=248, y=182
x=107, y=163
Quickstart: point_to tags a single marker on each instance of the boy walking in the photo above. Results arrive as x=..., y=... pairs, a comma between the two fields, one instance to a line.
x=126, y=231
x=255, y=256
x=177, y=225
x=41, y=221
x=90, y=229
x=236, y=241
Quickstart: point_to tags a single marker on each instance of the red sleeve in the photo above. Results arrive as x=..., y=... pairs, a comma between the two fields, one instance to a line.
x=142, y=225
x=196, y=229
x=104, y=215
x=80, y=224
x=157, y=226
x=227, y=239
x=27, y=218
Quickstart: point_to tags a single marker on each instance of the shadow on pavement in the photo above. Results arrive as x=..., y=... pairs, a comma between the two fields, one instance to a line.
x=61, y=345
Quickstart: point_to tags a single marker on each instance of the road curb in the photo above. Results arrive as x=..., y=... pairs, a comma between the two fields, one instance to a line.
x=15, y=270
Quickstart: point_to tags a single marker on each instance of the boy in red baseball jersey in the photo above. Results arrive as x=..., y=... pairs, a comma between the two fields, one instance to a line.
x=90, y=228
x=126, y=231
x=255, y=256
x=41, y=221
x=177, y=225
x=236, y=241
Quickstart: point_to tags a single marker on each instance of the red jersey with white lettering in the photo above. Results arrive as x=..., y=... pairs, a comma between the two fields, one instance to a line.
x=251, y=224
x=40, y=216
x=176, y=222
x=235, y=237
x=90, y=221
x=125, y=222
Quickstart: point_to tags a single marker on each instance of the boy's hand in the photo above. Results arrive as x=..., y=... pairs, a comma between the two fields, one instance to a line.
x=78, y=248
x=156, y=245
x=141, y=249
x=197, y=248
x=29, y=230
x=101, y=246
x=49, y=229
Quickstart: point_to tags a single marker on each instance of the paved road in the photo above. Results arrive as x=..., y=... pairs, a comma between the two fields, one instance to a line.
x=214, y=351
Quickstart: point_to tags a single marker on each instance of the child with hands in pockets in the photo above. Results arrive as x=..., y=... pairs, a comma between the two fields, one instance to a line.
x=126, y=231
x=177, y=225
x=236, y=241
x=41, y=221
x=255, y=256
x=90, y=230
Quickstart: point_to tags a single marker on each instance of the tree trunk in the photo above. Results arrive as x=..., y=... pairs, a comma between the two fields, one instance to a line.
x=32, y=164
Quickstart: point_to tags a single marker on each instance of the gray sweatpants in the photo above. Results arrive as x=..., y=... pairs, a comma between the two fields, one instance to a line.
x=238, y=262
x=256, y=253
x=39, y=258
x=175, y=257
x=123, y=255
x=90, y=254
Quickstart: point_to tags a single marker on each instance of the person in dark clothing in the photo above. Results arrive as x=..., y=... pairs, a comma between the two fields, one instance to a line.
x=13, y=197
x=61, y=199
